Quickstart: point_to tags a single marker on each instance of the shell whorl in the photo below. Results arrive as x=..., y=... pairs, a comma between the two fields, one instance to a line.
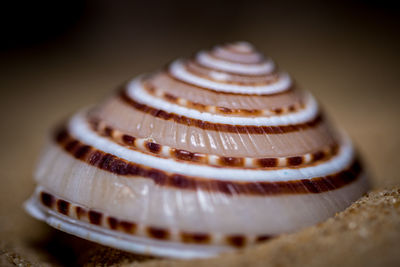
x=232, y=69
x=217, y=138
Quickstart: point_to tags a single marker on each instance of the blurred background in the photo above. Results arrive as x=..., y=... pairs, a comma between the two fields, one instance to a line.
x=58, y=56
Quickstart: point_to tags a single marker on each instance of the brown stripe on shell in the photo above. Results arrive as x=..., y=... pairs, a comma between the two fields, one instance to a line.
x=80, y=212
x=121, y=225
x=122, y=167
x=198, y=238
x=71, y=145
x=268, y=162
x=263, y=238
x=220, y=127
x=130, y=227
x=112, y=222
x=187, y=155
x=318, y=155
x=195, y=105
x=82, y=152
x=170, y=97
x=107, y=131
x=63, y=206
x=128, y=139
x=47, y=199
x=95, y=217
x=294, y=161
x=127, y=227
x=153, y=147
x=236, y=240
x=158, y=233
x=221, y=110
x=231, y=161
x=195, y=157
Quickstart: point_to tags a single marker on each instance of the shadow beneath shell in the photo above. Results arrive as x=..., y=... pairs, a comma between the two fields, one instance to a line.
x=63, y=249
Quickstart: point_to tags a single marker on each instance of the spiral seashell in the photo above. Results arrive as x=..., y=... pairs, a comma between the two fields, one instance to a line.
x=213, y=153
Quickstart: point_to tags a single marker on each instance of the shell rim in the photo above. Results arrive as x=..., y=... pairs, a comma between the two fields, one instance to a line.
x=114, y=239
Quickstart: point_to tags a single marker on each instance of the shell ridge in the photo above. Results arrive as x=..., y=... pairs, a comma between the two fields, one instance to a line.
x=262, y=68
x=136, y=92
x=178, y=71
x=80, y=128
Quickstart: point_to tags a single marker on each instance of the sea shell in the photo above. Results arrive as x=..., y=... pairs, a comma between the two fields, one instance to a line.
x=210, y=154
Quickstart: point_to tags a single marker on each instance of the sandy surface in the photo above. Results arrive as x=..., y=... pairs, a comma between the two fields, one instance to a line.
x=352, y=68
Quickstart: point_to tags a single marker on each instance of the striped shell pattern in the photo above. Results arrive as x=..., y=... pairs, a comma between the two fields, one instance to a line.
x=213, y=153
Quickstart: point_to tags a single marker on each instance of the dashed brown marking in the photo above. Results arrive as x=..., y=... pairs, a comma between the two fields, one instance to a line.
x=294, y=161
x=247, y=129
x=318, y=155
x=127, y=227
x=158, y=233
x=119, y=166
x=180, y=181
x=128, y=139
x=130, y=227
x=47, y=199
x=112, y=223
x=108, y=131
x=80, y=212
x=262, y=238
x=170, y=97
x=198, y=238
x=334, y=149
x=197, y=105
x=95, y=217
x=153, y=147
x=268, y=162
x=249, y=111
x=82, y=151
x=159, y=178
x=186, y=155
x=224, y=110
x=149, y=87
x=63, y=207
x=71, y=145
x=231, y=161
x=203, y=158
x=236, y=240
x=310, y=186
x=95, y=157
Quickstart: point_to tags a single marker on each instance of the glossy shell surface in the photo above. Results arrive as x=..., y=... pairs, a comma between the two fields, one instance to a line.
x=213, y=153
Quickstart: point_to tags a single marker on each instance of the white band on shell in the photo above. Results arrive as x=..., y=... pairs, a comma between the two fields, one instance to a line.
x=178, y=70
x=250, y=69
x=136, y=91
x=80, y=129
